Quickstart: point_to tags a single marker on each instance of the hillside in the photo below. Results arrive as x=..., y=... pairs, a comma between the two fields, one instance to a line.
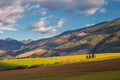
x=102, y=37
x=10, y=44
x=99, y=38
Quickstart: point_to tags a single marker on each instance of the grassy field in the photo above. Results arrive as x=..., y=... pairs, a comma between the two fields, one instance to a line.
x=13, y=63
x=103, y=75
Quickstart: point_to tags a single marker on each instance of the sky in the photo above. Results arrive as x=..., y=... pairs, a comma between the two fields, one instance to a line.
x=37, y=19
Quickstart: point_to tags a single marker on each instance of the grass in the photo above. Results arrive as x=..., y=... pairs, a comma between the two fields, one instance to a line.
x=13, y=63
x=103, y=75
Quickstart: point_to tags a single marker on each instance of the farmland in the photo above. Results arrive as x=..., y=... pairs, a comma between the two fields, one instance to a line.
x=103, y=75
x=52, y=61
x=101, y=70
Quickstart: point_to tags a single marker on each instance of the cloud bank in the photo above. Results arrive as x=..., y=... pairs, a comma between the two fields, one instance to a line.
x=77, y=7
x=9, y=12
x=41, y=25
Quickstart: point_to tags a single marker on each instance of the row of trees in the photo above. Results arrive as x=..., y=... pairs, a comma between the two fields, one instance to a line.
x=90, y=56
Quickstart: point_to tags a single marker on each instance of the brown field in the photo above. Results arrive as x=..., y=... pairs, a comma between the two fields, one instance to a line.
x=68, y=68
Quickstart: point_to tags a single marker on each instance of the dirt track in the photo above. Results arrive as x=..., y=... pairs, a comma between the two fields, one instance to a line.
x=78, y=67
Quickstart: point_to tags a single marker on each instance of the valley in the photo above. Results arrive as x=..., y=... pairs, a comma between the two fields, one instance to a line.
x=91, y=53
x=59, y=39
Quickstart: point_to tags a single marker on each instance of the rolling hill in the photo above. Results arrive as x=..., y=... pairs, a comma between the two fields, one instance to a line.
x=100, y=38
x=8, y=45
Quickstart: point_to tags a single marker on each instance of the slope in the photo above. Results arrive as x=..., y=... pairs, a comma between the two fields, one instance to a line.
x=87, y=40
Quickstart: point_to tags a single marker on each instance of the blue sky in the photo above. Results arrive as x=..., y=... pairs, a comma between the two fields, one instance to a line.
x=37, y=19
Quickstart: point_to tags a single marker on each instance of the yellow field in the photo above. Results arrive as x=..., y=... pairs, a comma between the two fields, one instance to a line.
x=13, y=63
x=82, y=58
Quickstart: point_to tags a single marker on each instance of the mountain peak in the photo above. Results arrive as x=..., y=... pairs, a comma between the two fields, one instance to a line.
x=27, y=41
x=9, y=39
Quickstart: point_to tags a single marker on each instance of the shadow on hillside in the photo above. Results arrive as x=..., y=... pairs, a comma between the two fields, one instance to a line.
x=6, y=66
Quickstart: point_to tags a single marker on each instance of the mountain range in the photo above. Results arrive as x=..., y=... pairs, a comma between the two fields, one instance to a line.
x=100, y=38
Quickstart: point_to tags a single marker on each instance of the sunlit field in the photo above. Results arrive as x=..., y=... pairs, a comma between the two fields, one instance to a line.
x=53, y=61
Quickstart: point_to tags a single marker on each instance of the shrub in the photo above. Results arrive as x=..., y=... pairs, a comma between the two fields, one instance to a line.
x=34, y=66
x=58, y=63
x=21, y=67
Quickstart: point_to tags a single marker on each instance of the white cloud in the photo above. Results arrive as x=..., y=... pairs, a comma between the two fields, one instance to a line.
x=44, y=12
x=10, y=11
x=41, y=25
x=103, y=10
x=87, y=25
x=78, y=7
x=34, y=7
x=6, y=28
x=60, y=23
